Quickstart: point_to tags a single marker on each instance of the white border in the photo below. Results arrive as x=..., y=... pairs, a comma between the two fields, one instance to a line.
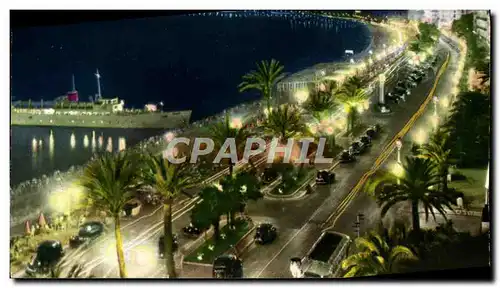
x=192, y=4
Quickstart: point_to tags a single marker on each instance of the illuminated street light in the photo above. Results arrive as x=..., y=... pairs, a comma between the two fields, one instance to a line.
x=169, y=136
x=436, y=101
x=398, y=171
x=399, y=145
x=236, y=123
x=420, y=137
x=301, y=96
x=445, y=102
x=435, y=121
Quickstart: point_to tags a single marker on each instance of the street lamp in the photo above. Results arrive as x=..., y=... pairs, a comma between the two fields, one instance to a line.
x=436, y=101
x=399, y=145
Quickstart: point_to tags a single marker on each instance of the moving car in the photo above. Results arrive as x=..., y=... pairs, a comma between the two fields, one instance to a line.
x=346, y=157
x=88, y=232
x=265, y=233
x=48, y=254
x=161, y=245
x=227, y=266
x=325, y=177
x=358, y=148
x=192, y=231
x=325, y=257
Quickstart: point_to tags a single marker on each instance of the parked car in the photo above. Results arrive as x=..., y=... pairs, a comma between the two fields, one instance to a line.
x=402, y=90
x=366, y=140
x=325, y=177
x=392, y=98
x=227, y=266
x=192, y=231
x=415, y=77
x=88, y=232
x=346, y=157
x=161, y=245
x=265, y=233
x=358, y=148
x=269, y=175
x=410, y=83
x=372, y=132
x=48, y=254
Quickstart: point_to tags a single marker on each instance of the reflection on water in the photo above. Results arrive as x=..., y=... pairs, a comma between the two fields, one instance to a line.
x=72, y=141
x=34, y=145
x=28, y=143
x=51, y=145
x=110, y=145
x=93, y=141
x=85, y=141
x=122, y=144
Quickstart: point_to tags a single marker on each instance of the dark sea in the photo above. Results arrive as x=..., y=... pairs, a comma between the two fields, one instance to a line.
x=187, y=62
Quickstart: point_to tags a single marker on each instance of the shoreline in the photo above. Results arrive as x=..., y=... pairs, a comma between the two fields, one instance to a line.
x=155, y=140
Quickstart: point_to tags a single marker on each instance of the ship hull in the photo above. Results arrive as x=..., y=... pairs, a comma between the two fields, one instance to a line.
x=167, y=120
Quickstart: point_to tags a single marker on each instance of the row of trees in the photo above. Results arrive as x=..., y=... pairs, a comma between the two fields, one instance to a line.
x=112, y=180
x=398, y=250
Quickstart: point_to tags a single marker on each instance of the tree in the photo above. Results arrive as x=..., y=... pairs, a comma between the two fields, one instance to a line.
x=263, y=79
x=285, y=122
x=351, y=97
x=319, y=102
x=169, y=180
x=416, y=185
x=210, y=209
x=438, y=151
x=221, y=131
x=238, y=190
x=469, y=126
x=110, y=182
x=375, y=256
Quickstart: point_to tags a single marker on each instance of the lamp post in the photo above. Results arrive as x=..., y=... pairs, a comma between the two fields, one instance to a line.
x=436, y=101
x=485, y=215
x=399, y=145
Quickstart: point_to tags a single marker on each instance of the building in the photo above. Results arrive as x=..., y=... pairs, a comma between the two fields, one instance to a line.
x=415, y=15
x=442, y=18
x=482, y=25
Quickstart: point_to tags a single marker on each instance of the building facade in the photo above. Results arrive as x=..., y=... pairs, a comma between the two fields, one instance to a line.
x=482, y=25
x=442, y=18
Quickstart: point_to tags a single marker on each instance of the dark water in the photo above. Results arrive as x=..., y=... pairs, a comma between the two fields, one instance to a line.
x=188, y=62
x=66, y=147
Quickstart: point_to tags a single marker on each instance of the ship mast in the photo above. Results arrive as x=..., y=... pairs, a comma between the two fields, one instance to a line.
x=98, y=76
x=73, y=82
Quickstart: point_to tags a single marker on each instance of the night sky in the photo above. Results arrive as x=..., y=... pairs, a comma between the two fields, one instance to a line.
x=186, y=62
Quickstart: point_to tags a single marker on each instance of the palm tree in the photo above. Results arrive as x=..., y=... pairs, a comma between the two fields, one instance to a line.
x=416, y=185
x=111, y=181
x=438, y=151
x=208, y=212
x=285, y=122
x=263, y=79
x=221, y=131
x=351, y=97
x=319, y=102
x=169, y=180
x=238, y=190
x=375, y=256
x=355, y=82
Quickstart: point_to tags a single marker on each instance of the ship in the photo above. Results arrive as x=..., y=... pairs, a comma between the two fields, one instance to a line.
x=68, y=111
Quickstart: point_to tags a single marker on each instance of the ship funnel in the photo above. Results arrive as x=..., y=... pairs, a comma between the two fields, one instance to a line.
x=73, y=94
